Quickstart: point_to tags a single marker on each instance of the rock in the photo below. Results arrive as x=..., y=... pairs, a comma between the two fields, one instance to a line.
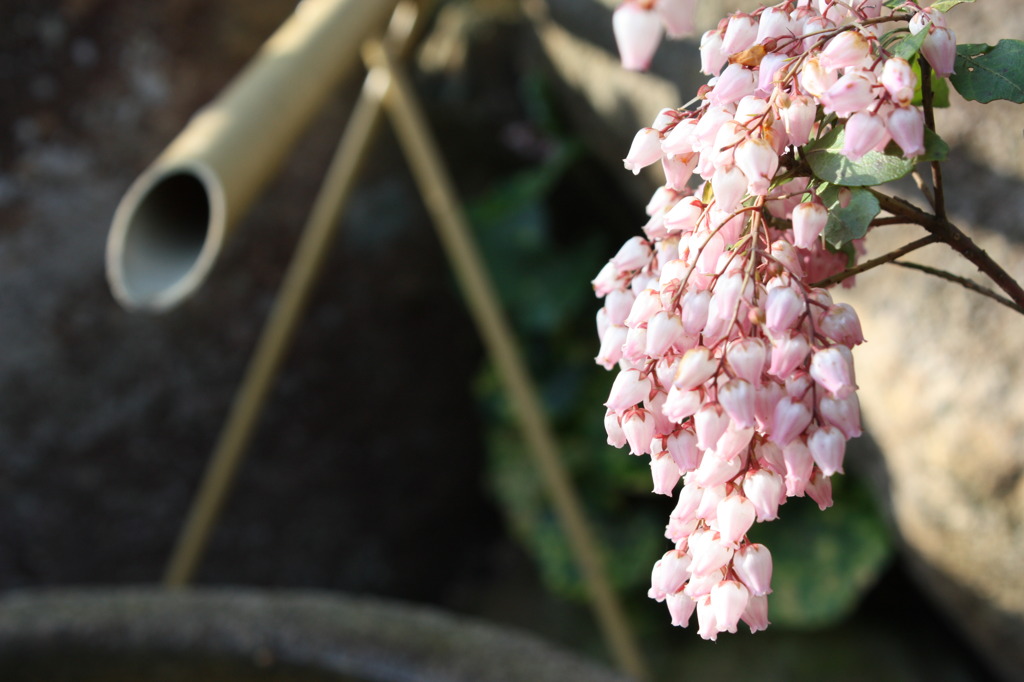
x=942, y=375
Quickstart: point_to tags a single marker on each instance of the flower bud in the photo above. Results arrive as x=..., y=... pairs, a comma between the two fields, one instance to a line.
x=637, y=34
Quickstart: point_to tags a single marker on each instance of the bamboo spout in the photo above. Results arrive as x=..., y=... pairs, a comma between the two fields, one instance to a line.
x=174, y=219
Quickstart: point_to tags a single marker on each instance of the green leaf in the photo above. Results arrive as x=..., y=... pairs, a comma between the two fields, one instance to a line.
x=874, y=168
x=990, y=72
x=824, y=562
x=846, y=223
x=935, y=148
x=910, y=45
x=940, y=88
x=946, y=5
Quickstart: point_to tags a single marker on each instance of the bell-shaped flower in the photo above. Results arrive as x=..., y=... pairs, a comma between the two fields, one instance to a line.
x=708, y=507
x=809, y=220
x=689, y=500
x=753, y=566
x=766, y=398
x=735, y=82
x=815, y=79
x=637, y=32
x=827, y=445
x=789, y=350
x=664, y=473
x=783, y=309
x=678, y=170
x=799, y=467
x=740, y=33
x=759, y=163
x=939, y=49
x=729, y=599
x=765, y=489
x=853, y=92
x=735, y=515
x=819, y=489
x=680, y=608
x=613, y=427
x=645, y=150
x=734, y=442
x=663, y=330
x=756, y=613
x=906, y=126
x=843, y=413
x=682, y=446
x=899, y=81
x=707, y=626
x=712, y=56
x=775, y=23
x=864, y=132
x=746, y=358
x=638, y=425
x=841, y=324
x=680, y=404
x=612, y=342
x=789, y=421
x=694, y=306
x=679, y=140
x=848, y=49
x=684, y=215
x=633, y=255
x=696, y=366
x=628, y=389
x=670, y=574
x=830, y=369
x=737, y=397
x=714, y=471
x=798, y=118
x=729, y=184
x=642, y=308
x=709, y=423
x=768, y=69
x=709, y=554
x=677, y=15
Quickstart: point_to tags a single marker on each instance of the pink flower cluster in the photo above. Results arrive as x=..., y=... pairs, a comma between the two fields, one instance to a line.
x=735, y=372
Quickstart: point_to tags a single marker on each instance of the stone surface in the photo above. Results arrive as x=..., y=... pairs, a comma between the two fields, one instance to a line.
x=942, y=377
x=73, y=635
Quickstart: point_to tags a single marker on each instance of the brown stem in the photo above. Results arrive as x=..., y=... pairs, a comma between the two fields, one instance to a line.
x=948, y=233
x=875, y=262
x=927, y=98
x=962, y=281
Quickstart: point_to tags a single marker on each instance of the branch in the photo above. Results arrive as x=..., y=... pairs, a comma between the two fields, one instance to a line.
x=962, y=281
x=948, y=233
x=875, y=262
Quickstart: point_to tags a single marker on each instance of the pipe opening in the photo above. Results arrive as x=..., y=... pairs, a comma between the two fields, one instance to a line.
x=164, y=237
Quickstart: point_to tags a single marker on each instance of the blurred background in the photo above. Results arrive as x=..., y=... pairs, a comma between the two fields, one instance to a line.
x=387, y=462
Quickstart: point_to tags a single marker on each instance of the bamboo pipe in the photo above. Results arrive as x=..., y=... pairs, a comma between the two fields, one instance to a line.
x=173, y=221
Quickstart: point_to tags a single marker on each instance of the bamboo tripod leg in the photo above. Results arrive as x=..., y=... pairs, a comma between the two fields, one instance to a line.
x=436, y=188
x=278, y=331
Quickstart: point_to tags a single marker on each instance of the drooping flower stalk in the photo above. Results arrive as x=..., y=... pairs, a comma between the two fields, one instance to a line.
x=735, y=371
